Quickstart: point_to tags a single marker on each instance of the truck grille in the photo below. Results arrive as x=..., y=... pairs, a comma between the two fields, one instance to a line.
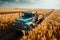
x=19, y=25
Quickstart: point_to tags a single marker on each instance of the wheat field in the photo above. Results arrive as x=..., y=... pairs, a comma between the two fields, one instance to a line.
x=49, y=29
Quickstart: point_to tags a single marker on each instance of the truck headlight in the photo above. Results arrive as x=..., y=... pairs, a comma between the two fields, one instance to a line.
x=24, y=26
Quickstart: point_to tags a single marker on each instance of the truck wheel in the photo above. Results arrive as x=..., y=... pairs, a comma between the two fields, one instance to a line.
x=32, y=26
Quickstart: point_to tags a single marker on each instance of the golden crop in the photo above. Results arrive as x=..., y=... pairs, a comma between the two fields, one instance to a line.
x=49, y=29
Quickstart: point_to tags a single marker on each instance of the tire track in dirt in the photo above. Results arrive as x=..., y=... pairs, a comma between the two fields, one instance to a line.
x=49, y=13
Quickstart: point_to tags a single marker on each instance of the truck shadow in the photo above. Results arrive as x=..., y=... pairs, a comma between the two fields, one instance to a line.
x=18, y=36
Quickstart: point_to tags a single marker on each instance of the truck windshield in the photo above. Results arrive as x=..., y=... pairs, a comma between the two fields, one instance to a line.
x=27, y=16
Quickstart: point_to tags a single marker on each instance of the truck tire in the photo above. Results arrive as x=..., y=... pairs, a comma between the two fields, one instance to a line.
x=31, y=26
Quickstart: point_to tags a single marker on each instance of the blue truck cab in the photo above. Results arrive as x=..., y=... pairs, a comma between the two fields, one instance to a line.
x=24, y=22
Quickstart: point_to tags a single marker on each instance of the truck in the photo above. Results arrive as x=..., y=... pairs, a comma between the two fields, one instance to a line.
x=26, y=22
